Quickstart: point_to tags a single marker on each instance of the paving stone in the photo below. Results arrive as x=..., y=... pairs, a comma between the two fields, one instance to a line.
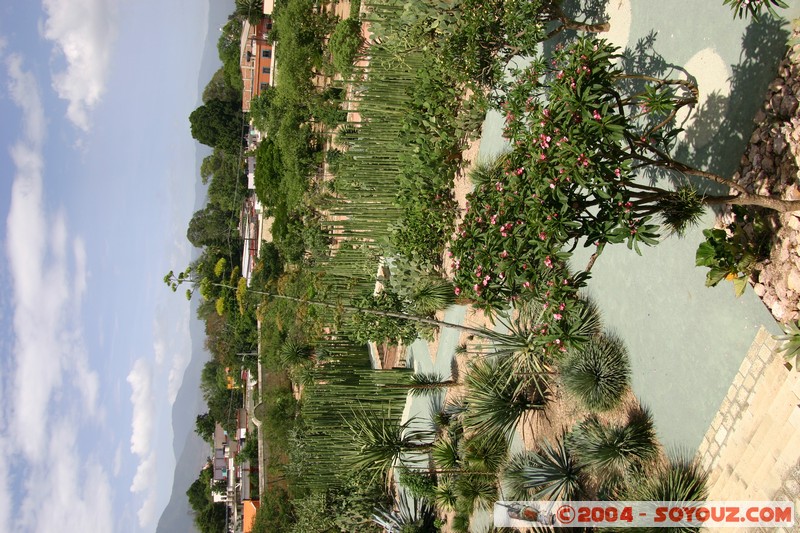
x=735, y=410
x=738, y=379
x=742, y=395
x=757, y=367
x=765, y=353
x=746, y=365
x=722, y=432
x=792, y=488
x=713, y=449
x=749, y=382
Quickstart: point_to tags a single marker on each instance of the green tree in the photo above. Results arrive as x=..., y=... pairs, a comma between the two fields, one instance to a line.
x=204, y=426
x=219, y=88
x=345, y=43
x=210, y=226
x=209, y=517
x=218, y=123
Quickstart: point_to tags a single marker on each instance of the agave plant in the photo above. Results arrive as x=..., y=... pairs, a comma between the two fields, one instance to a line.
x=599, y=375
x=497, y=398
x=412, y=514
x=611, y=449
x=432, y=295
x=790, y=342
x=551, y=473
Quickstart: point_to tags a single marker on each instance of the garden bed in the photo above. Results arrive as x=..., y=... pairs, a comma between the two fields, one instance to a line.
x=770, y=164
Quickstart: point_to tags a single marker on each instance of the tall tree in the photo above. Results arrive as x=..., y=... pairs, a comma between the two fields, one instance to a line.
x=218, y=123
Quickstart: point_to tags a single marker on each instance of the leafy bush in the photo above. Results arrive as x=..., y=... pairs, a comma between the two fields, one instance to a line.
x=419, y=484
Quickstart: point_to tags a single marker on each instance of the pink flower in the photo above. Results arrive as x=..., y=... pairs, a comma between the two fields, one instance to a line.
x=527, y=284
x=561, y=306
x=617, y=172
x=542, y=235
x=596, y=115
x=486, y=279
x=504, y=254
x=557, y=316
x=548, y=262
x=519, y=171
x=494, y=219
x=458, y=290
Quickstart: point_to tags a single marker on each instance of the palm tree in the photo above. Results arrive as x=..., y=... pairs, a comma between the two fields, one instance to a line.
x=250, y=10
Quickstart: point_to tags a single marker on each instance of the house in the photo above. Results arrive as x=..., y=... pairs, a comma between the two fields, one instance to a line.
x=249, y=515
x=256, y=60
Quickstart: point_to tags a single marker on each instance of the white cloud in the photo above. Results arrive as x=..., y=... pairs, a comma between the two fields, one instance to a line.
x=48, y=343
x=48, y=352
x=142, y=433
x=141, y=381
x=77, y=491
x=84, y=32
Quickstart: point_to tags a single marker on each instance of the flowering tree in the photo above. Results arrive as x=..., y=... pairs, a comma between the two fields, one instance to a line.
x=581, y=132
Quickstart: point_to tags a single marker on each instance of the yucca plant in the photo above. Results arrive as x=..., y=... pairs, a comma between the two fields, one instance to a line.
x=484, y=452
x=681, y=480
x=550, y=473
x=476, y=490
x=444, y=495
x=445, y=454
x=599, y=375
x=292, y=353
x=380, y=441
x=488, y=172
x=682, y=209
x=790, y=342
x=428, y=384
x=432, y=295
x=497, y=398
x=611, y=449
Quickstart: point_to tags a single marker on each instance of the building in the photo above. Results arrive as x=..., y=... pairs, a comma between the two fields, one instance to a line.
x=249, y=515
x=256, y=60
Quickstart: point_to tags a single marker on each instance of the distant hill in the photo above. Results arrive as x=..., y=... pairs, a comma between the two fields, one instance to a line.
x=191, y=451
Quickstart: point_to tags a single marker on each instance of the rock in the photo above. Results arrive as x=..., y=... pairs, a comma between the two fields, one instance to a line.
x=793, y=281
x=793, y=222
x=767, y=164
x=788, y=106
x=759, y=289
x=779, y=144
x=778, y=310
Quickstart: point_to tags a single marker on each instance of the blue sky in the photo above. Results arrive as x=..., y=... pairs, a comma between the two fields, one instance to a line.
x=98, y=181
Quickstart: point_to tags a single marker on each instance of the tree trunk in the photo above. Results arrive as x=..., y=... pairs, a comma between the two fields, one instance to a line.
x=375, y=312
